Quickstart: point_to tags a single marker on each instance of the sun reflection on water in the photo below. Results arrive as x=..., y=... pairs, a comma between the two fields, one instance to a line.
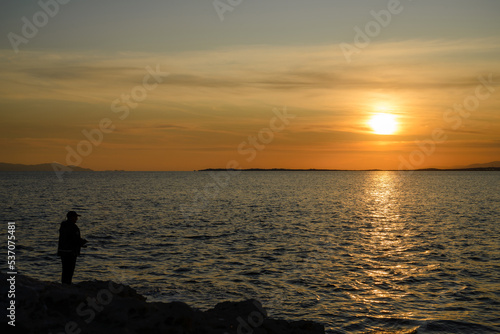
x=384, y=242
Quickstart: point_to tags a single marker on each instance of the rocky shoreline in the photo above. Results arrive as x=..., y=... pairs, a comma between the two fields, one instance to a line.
x=108, y=307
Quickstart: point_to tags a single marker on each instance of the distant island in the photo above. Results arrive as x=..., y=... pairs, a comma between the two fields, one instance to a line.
x=48, y=167
x=479, y=169
x=490, y=166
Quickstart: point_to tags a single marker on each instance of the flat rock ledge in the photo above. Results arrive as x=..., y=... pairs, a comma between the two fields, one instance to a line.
x=107, y=307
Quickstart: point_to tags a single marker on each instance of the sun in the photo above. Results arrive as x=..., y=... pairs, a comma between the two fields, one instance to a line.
x=383, y=124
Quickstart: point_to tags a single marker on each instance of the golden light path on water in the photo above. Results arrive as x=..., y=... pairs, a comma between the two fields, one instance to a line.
x=385, y=241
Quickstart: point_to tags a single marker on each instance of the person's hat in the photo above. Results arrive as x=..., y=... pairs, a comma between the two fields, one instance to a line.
x=72, y=214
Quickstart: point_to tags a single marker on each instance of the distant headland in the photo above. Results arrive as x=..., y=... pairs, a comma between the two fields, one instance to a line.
x=490, y=166
x=350, y=170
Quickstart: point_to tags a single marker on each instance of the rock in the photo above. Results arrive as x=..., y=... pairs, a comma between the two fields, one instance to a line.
x=107, y=307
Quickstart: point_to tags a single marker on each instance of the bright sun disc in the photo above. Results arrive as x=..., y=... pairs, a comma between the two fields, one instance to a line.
x=383, y=124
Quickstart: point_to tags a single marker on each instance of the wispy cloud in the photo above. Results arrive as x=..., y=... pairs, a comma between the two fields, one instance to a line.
x=216, y=99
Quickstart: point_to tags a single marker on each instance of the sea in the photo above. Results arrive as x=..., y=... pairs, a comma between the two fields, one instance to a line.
x=357, y=251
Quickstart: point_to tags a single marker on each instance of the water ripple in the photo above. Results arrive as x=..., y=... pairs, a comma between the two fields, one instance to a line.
x=358, y=251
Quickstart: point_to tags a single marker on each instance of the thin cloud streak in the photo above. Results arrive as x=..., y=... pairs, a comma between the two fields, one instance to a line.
x=212, y=101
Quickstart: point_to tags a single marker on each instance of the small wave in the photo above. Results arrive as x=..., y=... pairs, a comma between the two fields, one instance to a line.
x=452, y=326
x=198, y=237
x=101, y=237
x=206, y=237
x=27, y=248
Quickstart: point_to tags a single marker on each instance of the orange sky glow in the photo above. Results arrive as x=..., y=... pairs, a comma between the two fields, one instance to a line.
x=187, y=109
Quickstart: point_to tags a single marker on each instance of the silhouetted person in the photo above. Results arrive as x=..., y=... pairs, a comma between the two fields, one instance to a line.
x=69, y=246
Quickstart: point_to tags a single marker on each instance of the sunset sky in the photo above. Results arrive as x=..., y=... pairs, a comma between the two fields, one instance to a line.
x=333, y=65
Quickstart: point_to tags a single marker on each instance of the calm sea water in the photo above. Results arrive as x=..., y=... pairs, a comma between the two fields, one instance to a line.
x=357, y=251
